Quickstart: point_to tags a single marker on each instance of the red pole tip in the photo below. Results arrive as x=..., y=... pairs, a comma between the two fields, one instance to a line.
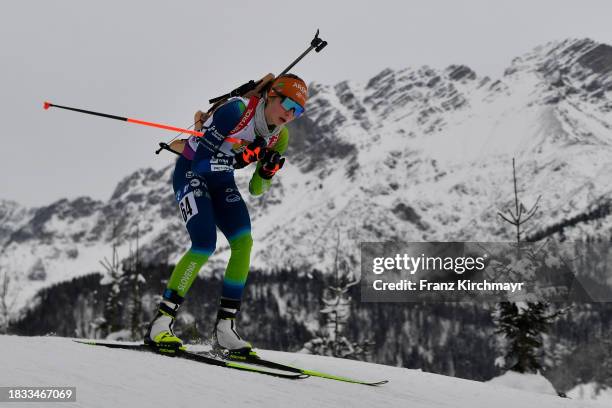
x=47, y=105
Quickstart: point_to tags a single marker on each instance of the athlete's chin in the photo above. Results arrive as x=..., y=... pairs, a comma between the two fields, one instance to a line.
x=284, y=121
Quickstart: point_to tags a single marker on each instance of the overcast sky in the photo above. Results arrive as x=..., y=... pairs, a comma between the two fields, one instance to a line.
x=162, y=60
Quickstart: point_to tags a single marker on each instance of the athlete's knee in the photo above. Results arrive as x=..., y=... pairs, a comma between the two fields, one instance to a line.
x=202, y=239
x=206, y=251
x=243, y=242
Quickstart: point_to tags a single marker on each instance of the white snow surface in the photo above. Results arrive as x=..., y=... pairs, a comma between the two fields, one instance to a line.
x=590, y=392
x=522, y=381
x=107, y=377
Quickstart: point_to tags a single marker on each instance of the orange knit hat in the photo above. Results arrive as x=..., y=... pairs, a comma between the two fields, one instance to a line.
x=294, y=88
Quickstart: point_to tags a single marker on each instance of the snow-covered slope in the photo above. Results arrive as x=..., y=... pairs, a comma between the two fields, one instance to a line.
x=524, y=381
x=120, y=378
x=591, y=392
x=411, y=155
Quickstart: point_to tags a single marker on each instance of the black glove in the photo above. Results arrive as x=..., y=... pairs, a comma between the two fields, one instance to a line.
x=252, y=152
x=270, y=164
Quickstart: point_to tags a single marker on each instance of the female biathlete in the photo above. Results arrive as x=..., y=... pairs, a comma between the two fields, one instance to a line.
x=240, y=132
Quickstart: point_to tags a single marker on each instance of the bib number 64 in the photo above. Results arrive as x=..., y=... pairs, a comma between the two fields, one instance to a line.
x=188, y=207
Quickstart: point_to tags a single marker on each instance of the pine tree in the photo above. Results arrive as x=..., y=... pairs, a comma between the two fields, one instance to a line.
x=604, y=374
x=6, y=302
x=336, y=312
x=522, y=324
x=135, y=280
x=113, y=305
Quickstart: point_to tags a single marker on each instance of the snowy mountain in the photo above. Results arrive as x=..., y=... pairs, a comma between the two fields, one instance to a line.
x=411, y=155
x=105, y=377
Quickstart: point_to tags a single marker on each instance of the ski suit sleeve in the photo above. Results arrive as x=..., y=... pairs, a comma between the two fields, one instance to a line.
x=223, y=122
x=258, y=185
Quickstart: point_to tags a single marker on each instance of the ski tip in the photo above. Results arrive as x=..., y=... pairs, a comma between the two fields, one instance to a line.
x=90, y=342
x=378, y=383
x=46, y=105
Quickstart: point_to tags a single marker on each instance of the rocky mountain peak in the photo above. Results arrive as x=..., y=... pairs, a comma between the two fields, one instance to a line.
x=140, y=178
x=598, y=59
x=573, y=58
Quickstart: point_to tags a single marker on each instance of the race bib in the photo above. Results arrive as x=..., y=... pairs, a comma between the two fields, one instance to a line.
x=188, y=207
x=221, y=163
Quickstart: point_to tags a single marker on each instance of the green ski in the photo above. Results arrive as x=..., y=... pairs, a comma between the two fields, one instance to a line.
x=254, y=359
x=183, y=353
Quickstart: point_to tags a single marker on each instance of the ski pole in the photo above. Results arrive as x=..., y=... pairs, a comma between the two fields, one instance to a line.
x=317, y=44
x=48, y=105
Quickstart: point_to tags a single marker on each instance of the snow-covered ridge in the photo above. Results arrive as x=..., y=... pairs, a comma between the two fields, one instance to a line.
x=106, y=377
x=414, y=154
